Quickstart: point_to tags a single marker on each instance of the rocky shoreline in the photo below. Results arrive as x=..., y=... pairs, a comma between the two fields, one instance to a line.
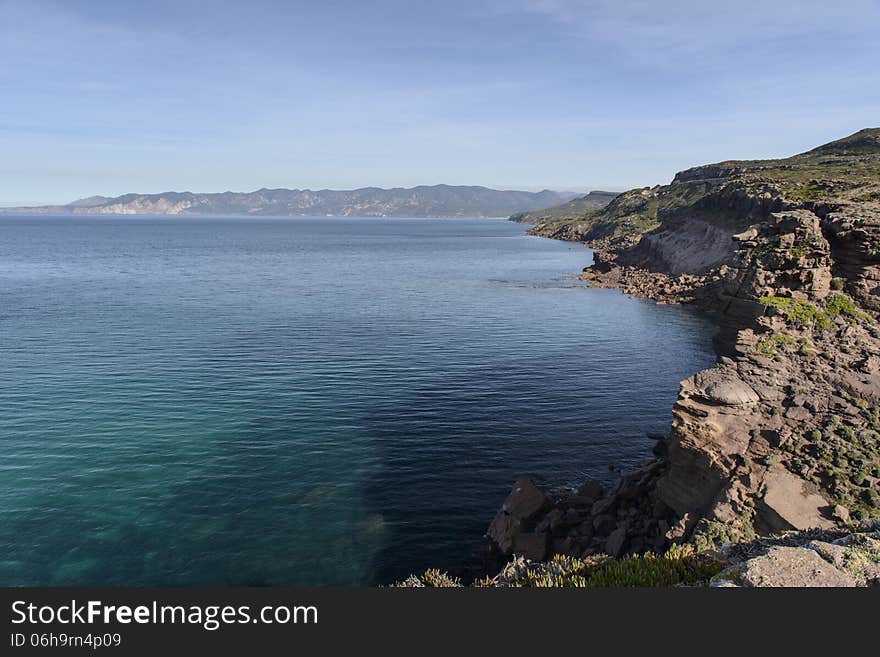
x=783, y=433
x=815, y=558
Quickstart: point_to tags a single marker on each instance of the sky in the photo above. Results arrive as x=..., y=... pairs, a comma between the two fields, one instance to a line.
x=108, y=97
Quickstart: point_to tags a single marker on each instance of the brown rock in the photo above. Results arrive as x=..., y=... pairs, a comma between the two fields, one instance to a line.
x=592, y=490
x=572, y=517
x=616, y=542
x=531, y=545
x=860, y=564
x=786, y=567
x=788, y=504
x=726, y=388
x=521, y=508
x=580, y=502
x=604, y=524
x=798, y=413
x=840, y=513
x=566, y=546
x=503, y=530
x=553, y=522
x=525, y=501
x=603, y=505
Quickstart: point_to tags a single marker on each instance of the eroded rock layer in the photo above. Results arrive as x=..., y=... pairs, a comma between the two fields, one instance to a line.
x=783, y=433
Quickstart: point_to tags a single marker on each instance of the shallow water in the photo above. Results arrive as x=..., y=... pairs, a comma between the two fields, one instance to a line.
x=190, y=401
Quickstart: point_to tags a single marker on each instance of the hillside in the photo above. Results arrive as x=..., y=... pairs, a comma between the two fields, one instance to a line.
x=567, y=211
x=730, y=195
x=423, y=201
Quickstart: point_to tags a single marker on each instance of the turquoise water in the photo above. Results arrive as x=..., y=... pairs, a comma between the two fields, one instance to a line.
x=190, y=401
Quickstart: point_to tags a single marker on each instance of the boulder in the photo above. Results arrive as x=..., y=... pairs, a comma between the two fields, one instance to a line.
x=503, y=530
x=870, y=364
x=604, y=524
x=580, y=502
x=725, y=388
x=518, y=514
x=840, y=513
x=553, y=522
x=798, y=414
x=525, y=501
x=566, y=546
x=531, y=545
x=616, y=542
x=604, y=505
x=785, y=567
x=788, y=504
x=861, y=564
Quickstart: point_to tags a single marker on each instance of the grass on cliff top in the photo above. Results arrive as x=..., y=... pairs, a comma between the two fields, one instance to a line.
x=845, y=170
x=679, y=566
x=817, y=179
x=630, y=214
x=806, y=314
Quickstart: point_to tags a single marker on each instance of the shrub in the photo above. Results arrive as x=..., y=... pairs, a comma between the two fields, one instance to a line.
x=798, y=312
x=805, y=314
x=768, y=346
x=841, y=305
x=678, y=567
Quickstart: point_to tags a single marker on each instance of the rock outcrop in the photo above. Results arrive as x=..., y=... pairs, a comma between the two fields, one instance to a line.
x=785, y=426
x=513, y=528
x=813, y=559
x=783, y=433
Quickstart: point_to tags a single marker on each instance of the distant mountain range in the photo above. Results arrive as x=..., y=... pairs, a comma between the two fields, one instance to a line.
x=423, y=201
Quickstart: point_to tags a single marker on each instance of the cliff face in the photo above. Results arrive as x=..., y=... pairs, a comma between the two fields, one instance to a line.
x=424, y=201
x=784, y=431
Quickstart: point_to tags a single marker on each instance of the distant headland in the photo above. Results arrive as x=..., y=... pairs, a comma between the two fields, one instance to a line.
x=422, y=201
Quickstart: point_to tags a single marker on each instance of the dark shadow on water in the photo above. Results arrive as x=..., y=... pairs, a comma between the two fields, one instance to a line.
x=452, y=449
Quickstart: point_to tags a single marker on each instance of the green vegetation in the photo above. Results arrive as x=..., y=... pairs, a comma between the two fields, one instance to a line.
x=769, y=346
x=808, y=191
x=798, y=312
x=805, y=314
x=710, y=535
x=679, y=566
x=843, y=458
x=844, y=306
x=574, y=210
x=732, y=194
x=629, y=215
x=433, y=578
x=774, y=345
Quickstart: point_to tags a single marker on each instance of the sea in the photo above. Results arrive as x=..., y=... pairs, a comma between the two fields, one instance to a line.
x=305, y=401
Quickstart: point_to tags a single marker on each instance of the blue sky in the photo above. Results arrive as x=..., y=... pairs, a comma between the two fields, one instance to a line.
x=107, y=97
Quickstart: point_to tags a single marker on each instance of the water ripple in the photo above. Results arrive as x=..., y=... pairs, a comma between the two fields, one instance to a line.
x=222, y=401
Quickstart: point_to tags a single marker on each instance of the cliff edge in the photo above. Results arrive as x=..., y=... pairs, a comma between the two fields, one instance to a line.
x=783, y=433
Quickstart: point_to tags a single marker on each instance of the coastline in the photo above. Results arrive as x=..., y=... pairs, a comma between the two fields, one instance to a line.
x=592, y=519
x=782, y=433
x=590, y=536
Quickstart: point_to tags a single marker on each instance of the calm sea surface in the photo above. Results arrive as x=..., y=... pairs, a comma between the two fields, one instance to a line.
x=191, y=401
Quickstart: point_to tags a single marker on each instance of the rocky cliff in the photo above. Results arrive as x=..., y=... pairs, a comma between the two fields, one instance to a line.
x=783, y=433
x=423, y=201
